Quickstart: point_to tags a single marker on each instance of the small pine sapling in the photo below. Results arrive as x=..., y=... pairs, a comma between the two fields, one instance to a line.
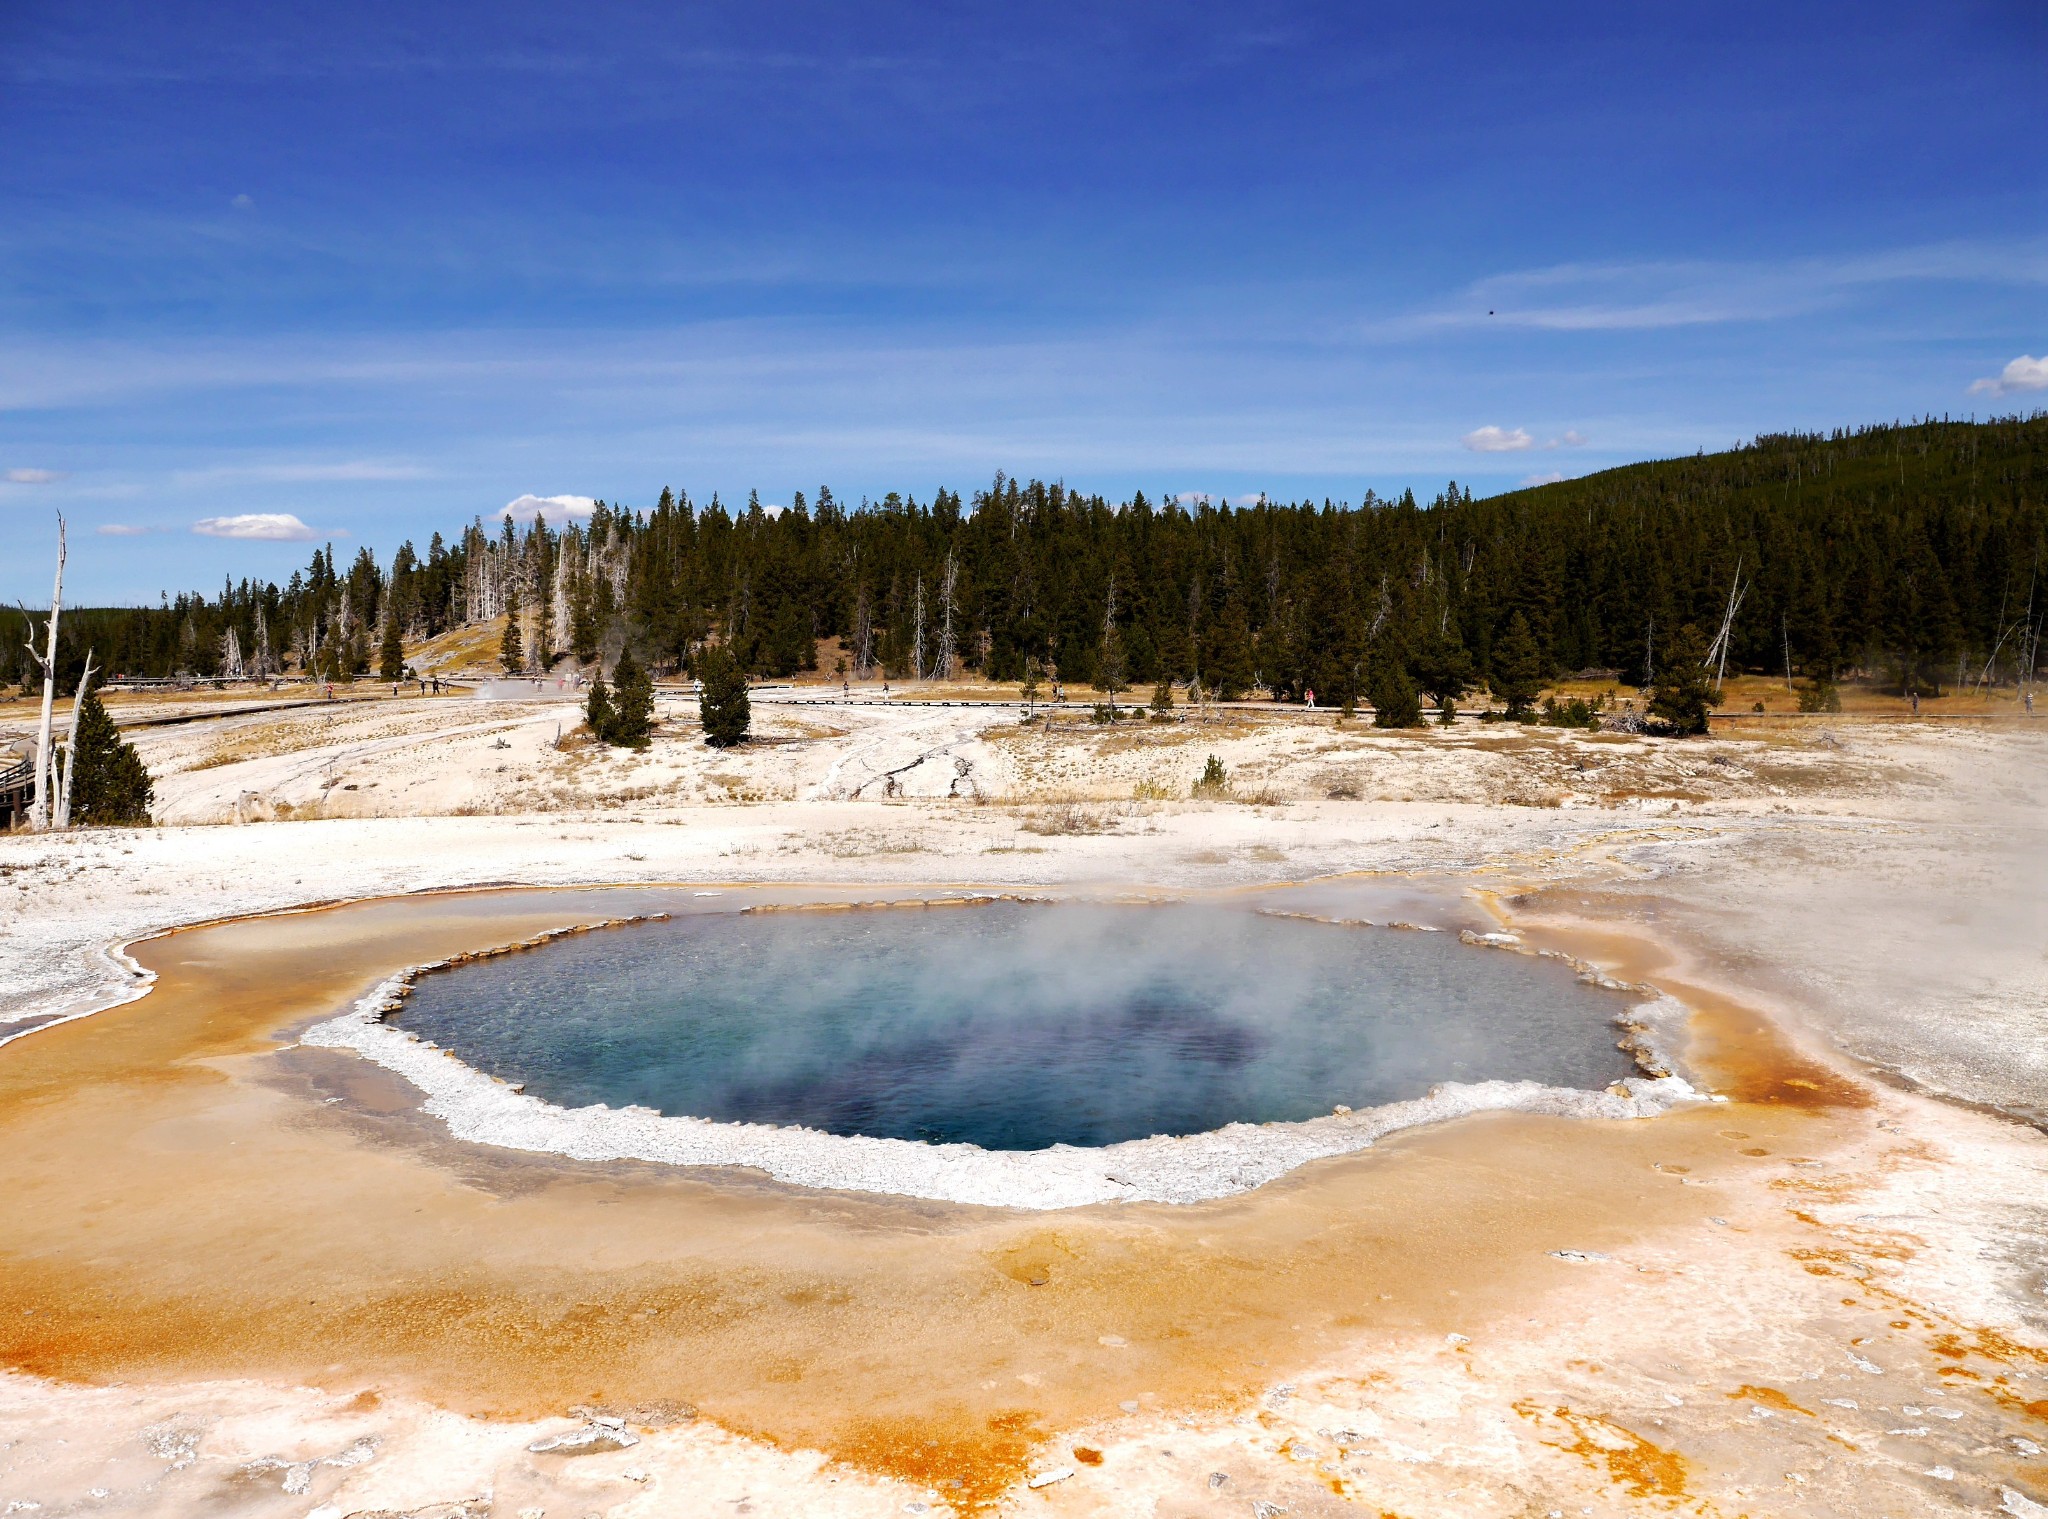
x=109, y=783
x=723, y=704
x=511, y=652
x=632, y=704
x=598, y=712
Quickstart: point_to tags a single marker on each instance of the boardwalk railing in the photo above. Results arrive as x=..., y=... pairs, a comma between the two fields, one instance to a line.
x=17, y=785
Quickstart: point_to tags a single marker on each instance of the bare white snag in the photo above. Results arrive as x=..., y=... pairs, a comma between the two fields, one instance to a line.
x=71, y=745
x=863, y=636
x=917, y=634
x=39, y=810
x=944, y=662
x=1717, y=651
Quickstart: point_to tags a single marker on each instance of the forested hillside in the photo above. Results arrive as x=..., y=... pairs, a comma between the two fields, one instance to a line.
x=1910, y=554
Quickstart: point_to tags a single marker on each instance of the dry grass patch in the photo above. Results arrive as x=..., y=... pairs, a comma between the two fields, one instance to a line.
x=1077, y=818
x=858, y=846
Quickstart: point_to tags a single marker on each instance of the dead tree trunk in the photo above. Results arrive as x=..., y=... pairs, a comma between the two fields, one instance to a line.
x=71, y=745
x=39, y=810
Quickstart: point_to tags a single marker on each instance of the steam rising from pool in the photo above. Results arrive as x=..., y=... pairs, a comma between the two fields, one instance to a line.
x=1013, y=1027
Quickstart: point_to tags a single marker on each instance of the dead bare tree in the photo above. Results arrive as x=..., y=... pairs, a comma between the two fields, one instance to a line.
x=944, y=661
x=71, y=745
x=39, y=809
x=917, y=634
x=863, y=636
x=262, y=649
x=1717, y=651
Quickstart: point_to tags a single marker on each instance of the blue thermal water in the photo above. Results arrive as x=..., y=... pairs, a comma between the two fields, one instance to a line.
x=1013, y=1026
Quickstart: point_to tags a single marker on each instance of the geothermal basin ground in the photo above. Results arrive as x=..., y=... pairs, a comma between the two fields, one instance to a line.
x=247, y=1270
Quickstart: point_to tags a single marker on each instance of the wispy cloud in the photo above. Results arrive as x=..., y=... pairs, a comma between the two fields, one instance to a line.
x=1654, y=294
x=1498, y=440
x=1571, y=438
x=299, y=473
x=526, y=508
x=34, y=476
x=1547, y=477
x=266, y=527
x=119, y=530
x=2024, y=373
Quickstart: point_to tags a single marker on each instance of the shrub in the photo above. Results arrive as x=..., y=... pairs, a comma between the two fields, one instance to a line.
x=1575, y=713
x=1215, y=780
x=1820, y=696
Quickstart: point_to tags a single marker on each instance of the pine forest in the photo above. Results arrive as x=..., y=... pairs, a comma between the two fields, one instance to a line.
x=1908, y=555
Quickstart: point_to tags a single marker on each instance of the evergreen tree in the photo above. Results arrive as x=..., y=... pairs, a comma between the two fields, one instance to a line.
x=1391, y=692
x=510, y=653
x=1230, y=652
x=1683, y=693
x=1335, y=654
x=584, y=631
x=1442, y=667
x=598, y=711
x=391, y=656
x=1517, y=669
x=109, y=783
x=723, y=704
x=1908, y=549
x=632, y=704
x=1162, y=697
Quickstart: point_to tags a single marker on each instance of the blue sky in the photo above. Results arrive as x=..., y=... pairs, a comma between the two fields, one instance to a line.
x=378, y=268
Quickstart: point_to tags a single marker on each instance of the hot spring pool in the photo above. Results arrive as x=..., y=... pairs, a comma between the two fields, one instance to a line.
x=1013, y=1026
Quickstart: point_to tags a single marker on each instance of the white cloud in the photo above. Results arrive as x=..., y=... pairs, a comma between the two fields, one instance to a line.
x=267, y=527
x=526, y=508
x=34, y=476
x=119, y=530
x=1573, y=438
x=1496, y=440
x=2024, y=373
x=243, y=203
x=1548, y=477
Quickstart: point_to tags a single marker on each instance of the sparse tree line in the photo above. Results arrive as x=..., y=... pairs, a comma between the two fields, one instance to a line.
x=1905, y=554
